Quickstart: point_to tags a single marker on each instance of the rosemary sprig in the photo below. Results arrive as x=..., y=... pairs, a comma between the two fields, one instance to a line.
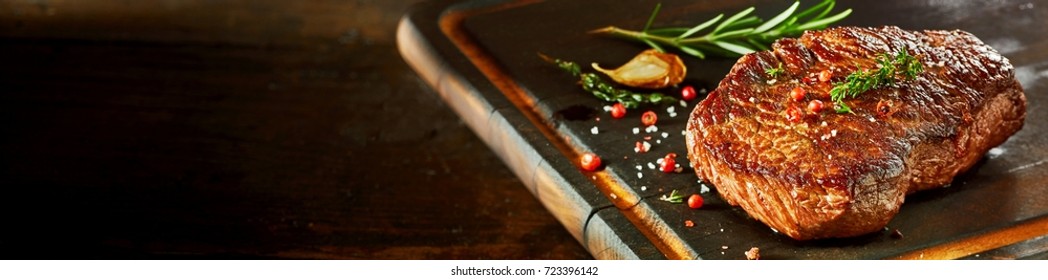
x=737, y=35
x=888, y=68
x=593, y=83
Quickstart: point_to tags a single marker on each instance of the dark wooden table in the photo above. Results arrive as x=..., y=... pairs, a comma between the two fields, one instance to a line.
x=199, y=129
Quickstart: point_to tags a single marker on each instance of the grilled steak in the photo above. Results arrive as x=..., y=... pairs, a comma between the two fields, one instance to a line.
x=831, y=174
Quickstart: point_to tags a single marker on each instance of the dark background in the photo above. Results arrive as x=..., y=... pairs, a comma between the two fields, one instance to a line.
x=214, y=129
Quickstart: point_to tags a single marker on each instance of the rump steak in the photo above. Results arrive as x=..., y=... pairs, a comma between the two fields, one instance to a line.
x=826, y=174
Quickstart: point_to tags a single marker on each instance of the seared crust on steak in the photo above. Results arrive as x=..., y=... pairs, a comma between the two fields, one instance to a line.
x=840, y=175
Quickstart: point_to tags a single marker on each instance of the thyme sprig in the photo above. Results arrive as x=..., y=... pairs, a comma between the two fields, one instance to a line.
x=775, y=72
x=888, y=68
x=674, y=197
x=594, y=84
x=737, y=35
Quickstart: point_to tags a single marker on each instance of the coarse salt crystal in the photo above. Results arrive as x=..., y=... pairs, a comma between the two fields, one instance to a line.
x=658, y=141
x=753, y=100
x=665, y=135
x=683, y=104
x=824, y=123
x=594, y=130
x=643, y=188
x=607, y=108
x=772, y=81
x=639, y=168
x=647, y=146
x=640, y=175
x=872, y=119
x=703, y=188
x=614, y=196
x=651, y=166
x=636, y=130
x=833, y=133
x=673, y=114
x=670, y=109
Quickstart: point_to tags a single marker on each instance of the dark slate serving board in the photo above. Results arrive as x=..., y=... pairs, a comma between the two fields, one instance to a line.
x=481, y=57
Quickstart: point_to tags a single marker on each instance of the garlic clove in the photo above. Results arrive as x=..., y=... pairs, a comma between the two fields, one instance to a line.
x=650, y=69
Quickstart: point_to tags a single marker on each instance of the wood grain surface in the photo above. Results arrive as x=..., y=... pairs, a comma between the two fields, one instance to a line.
x=193, y=129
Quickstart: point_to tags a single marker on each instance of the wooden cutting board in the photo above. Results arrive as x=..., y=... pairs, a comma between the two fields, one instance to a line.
x=482, y=58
